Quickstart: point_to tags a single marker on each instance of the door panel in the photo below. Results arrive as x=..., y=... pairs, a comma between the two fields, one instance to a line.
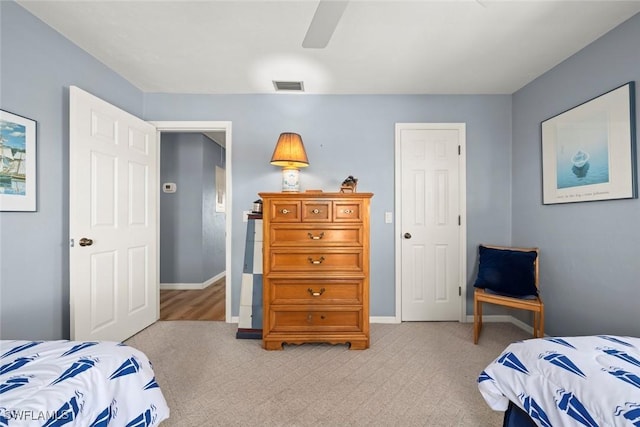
x=430, y=209
x=113, y=202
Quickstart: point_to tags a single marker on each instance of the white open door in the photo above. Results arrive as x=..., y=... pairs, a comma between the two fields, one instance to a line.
x=430, y=170
x=112, y=220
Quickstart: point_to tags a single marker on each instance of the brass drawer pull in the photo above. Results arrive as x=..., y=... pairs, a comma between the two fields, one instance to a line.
x=285, y=211
x=314, y=293
x=315, y=211
x=348, y=211
x=318, y=237
x=316, y=261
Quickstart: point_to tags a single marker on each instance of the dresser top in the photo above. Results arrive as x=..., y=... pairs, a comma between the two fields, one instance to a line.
x=317, y=195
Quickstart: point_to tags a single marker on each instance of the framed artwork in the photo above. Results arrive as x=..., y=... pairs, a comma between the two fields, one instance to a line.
x=220, y=189
x=589, y=151
x=17, y=163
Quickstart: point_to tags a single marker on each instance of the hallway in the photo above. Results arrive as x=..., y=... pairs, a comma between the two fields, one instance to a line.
x=201, y=304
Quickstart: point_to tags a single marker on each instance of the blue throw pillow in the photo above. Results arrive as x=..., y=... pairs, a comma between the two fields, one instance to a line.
x=507, y=272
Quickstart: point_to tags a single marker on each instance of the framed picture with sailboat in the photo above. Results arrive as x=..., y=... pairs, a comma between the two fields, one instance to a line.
x=589, y=151
x=17, y=163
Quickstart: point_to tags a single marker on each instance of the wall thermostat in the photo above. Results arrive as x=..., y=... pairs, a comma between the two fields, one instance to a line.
x=169, y=187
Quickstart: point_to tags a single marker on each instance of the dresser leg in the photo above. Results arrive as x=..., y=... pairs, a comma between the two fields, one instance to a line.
x=359, y=345
x=272, y=345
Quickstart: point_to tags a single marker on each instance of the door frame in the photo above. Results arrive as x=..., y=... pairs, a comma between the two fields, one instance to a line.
x=462, y=172
x=205, y=126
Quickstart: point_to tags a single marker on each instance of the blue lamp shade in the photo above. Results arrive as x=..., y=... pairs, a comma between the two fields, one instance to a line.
x=290, y=155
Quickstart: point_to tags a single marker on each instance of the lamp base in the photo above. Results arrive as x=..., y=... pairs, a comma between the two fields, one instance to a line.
x=290, y=180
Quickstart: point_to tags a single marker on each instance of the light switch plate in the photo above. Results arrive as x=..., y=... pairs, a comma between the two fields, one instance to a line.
x=388, y=217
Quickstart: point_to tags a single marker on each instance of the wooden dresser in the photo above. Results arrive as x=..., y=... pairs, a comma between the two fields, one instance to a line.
x=315, y=269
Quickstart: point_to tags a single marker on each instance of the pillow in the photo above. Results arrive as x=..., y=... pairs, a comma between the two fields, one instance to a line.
x=507, y=271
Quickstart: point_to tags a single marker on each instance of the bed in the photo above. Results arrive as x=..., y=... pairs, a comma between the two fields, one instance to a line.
x=566, y=381
x=73, y=383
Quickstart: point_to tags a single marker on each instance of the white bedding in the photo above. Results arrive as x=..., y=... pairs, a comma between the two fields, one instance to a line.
x=568, y=381
x=72, y=383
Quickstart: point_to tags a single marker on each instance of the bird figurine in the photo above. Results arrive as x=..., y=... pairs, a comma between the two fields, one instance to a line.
x=349, y=185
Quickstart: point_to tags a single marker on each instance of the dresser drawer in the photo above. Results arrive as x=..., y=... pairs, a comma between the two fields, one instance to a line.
x=328, y=259
x=312, y=236
x=316, y=320
x=316, y=211
x=347, y=211
x=285, y=211
x=304, y=291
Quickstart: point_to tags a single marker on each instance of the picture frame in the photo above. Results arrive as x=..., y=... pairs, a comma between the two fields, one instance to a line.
x=589, y=151
x=18, y=173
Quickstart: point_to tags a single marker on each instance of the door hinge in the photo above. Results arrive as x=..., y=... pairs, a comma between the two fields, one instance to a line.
x=459, y=220
x=459, y=291
x=459, y=150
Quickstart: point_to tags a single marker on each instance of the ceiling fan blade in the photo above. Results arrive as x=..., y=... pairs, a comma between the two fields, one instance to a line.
x=324, y=23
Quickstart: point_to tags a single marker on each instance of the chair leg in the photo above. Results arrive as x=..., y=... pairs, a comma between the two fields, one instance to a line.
x=541, y=324
x=477, y=320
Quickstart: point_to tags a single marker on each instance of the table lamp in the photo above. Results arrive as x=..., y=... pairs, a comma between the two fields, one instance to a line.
x=289, y=153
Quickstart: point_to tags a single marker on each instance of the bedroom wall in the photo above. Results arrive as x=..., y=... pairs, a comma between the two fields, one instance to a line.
x=590, y=283
x=37, y=66
x=192, y=244
x=344, y=135
x=354, y=135
x=590, y=274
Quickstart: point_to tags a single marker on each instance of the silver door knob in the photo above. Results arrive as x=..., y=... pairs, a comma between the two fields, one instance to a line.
x=407, y=235
x=86, y=242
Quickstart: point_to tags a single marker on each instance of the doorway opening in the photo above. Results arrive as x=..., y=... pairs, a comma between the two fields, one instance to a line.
x=195, y=220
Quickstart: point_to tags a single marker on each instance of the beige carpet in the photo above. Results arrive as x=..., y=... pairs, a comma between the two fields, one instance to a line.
x=414, y=374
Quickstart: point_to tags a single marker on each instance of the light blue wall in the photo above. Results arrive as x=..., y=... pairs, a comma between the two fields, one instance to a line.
x=590, y=252
x=37, y=66
x=214, y=223
x=354, y=135
x=192, y=244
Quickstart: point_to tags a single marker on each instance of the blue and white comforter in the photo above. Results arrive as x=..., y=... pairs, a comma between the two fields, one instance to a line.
x=570, y=381
x=72, y=383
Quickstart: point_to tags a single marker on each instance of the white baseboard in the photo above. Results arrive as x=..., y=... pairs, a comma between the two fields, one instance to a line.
x=192, y=286
x=384, y=319
x=503, y=318
x=373, y=319
x=469, y=319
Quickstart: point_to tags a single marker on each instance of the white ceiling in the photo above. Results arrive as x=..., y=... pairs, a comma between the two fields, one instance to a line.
x=379, y=47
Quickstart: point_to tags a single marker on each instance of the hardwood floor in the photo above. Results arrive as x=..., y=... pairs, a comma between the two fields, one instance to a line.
x=202, y=304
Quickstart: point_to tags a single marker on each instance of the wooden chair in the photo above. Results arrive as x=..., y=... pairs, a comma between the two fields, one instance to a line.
x=531, y=304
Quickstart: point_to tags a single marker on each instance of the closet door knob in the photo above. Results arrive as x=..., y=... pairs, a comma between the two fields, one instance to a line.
x=407, y=235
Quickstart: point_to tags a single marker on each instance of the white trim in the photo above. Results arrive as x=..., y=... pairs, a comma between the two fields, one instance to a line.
x=502, y=318
x=462, y=171
x=384, y=319
x=192, y=286
x=210, y=126
x=234, y=319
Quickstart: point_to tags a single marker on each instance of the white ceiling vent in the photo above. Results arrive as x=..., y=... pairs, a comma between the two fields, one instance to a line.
x=288, y=86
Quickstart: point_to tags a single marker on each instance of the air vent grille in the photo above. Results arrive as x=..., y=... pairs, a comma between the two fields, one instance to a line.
x=288, y=86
